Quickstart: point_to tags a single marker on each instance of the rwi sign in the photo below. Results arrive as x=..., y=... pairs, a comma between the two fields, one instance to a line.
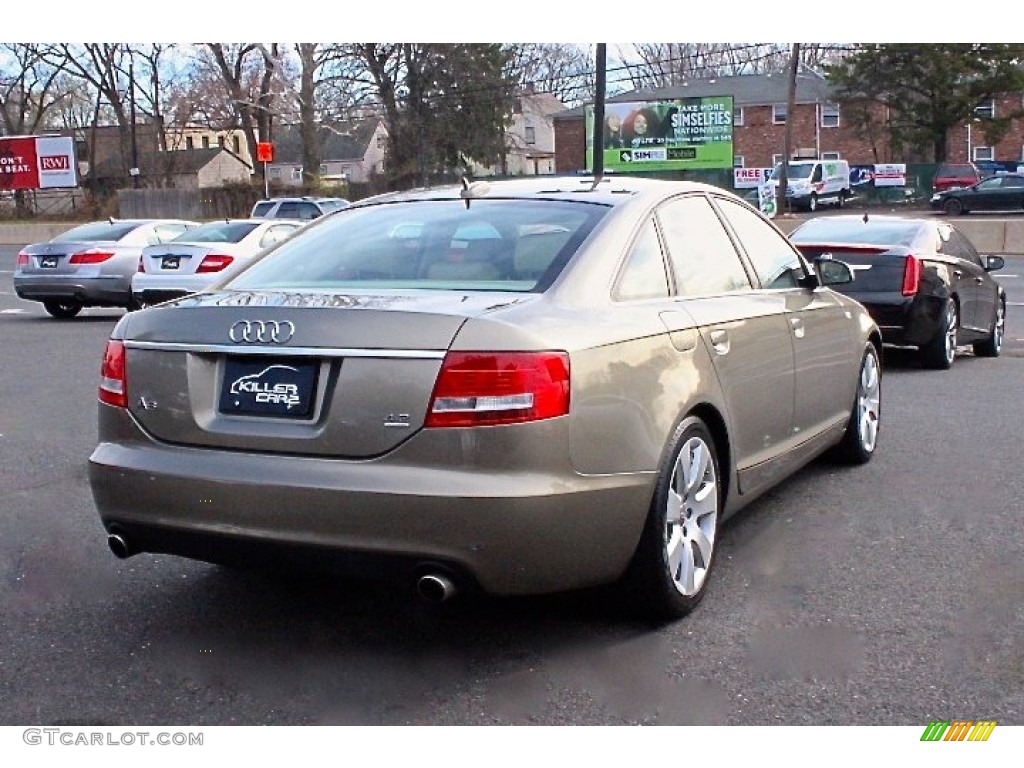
x=54, y=163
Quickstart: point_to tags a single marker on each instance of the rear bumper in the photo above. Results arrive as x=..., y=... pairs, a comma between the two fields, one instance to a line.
x=105, y=291
x=905, y=321
x=511, y=532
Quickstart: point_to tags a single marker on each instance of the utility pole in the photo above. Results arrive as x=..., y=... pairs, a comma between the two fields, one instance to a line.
x=598, y=133
x=794, y=65
x=131, y=98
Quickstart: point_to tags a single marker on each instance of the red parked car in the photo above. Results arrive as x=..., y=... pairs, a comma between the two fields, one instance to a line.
x=955, y=176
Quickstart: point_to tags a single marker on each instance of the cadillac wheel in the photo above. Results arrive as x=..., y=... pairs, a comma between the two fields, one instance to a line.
x=674, y=558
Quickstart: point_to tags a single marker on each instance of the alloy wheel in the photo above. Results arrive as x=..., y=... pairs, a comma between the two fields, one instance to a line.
x=868, y=402
x=691, y=516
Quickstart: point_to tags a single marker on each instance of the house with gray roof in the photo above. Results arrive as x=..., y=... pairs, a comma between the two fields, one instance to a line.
x=349, y=151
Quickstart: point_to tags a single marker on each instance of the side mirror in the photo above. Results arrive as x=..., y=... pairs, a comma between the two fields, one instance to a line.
x=832, y=272
x=994, y=263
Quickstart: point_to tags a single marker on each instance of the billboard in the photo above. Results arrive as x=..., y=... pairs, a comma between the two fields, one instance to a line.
x=665, y=135
x=37, y=162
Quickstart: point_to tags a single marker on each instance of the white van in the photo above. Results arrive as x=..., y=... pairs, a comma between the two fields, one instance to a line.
x=811, y=183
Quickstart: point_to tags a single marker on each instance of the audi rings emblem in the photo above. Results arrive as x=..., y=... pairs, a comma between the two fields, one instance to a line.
x=261, y=331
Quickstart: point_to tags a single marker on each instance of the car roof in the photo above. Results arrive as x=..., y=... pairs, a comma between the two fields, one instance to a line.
x=612, y=190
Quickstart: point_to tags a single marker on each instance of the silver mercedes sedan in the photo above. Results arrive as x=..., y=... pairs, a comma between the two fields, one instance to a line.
x=520, y=387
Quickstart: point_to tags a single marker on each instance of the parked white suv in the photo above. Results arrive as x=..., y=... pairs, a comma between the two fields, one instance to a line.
x=296, y=207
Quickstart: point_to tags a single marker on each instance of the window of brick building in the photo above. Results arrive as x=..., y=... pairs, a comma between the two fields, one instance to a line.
x=984, y=153
x=737, y=161
x=776, y=159
x=531, y=135
x=206, y=142
x=986, y=110
x=829, y=116
x=779, y=113
x=737, y=116
x=830, y=156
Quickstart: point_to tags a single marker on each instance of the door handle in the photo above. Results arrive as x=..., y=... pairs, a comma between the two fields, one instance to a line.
x=979, y=280
x=957, y=273
x=720, y=342
x=798, y=327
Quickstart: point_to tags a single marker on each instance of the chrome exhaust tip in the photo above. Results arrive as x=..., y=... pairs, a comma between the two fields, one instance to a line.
x=435, y=588
x=118, y=546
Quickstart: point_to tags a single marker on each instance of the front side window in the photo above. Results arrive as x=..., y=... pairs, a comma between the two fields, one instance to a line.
x=495, y=245
x=775, y=261
x=702, y=255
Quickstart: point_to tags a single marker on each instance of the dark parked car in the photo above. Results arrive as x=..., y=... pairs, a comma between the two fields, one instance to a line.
x=955, y=176
x=922, y=281
x=91, y=265
x=996, y=193
x=525, y=387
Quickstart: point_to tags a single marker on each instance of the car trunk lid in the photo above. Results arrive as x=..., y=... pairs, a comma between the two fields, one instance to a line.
x=313, y=374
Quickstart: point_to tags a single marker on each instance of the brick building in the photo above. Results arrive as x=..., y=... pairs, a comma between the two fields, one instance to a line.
x=821, y=127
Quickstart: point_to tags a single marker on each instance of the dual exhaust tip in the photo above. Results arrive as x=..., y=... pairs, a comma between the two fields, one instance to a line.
x=432, y=587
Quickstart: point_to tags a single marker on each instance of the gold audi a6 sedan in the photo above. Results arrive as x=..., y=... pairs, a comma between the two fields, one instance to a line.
x=523, y=387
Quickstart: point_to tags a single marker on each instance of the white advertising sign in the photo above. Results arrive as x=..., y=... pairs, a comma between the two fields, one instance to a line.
x=749, y=178
x=891, y=175
x=56, y=162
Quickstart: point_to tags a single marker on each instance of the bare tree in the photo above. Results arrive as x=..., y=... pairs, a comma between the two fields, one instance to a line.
x=656, y=65
x=562, y=69
x=252, y=104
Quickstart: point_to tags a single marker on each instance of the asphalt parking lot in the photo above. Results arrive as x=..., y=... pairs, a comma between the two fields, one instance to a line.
x=884, y=595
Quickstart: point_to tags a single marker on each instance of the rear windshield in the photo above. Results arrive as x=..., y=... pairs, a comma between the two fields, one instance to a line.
x=874, y=232
x=957, y=171
x=219, y=232
x=99, y=230
x=494, y=245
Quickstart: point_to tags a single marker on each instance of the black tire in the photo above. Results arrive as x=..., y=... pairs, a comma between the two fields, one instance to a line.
x=134, y=304
x=812, y=203
x=993, y=345
x=62, y=310
x=841, y=200
x=953, y=207
x=656, y=586
x=861, y=437
x=940, y=352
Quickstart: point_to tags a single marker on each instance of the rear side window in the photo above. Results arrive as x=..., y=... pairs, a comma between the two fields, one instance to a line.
x=261, y=209
x=702, y=254
x=643, y=275
x=495, y=245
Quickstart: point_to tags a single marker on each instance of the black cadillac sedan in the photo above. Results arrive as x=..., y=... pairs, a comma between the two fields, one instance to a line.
x=996, y=193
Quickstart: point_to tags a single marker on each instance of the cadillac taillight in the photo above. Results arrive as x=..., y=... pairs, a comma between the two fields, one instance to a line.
x=22, y=259
x=488, y=388
x=911, y=275
x=113, y=380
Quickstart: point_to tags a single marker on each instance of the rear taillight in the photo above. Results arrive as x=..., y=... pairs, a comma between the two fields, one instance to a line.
x=91, y=257
x=113, y=381
x=214, y=263
x=142, y=264
x=22, y=259
x=911, y=275
x=485, y=388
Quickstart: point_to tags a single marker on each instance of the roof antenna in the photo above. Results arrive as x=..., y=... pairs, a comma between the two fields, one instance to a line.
x=865, y=217
x=598, y=133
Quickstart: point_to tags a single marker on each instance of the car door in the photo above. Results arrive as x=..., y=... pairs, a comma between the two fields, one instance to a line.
x=1013, y=193
x=965, y=275
x=818, y=323
x=986, y=195
x=973, y=274
x=745, y=332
